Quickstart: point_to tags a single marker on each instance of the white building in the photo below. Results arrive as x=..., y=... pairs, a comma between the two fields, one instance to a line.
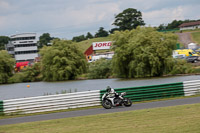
x=190, y=26
x=23, y=47
x=106, y=55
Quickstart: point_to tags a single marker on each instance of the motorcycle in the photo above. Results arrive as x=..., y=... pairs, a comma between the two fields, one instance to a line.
x=109, y=101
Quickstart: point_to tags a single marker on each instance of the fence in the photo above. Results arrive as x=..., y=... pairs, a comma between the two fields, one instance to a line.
x=1, y=107
x=52, y=102
x=93, y=98
x=191, y=87
x=144, y=93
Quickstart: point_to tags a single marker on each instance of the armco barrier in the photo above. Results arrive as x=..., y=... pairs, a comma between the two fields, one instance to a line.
x=191, y=87
x=93, y=98
x=1, y=107
x=52, y=102
x=144, y=93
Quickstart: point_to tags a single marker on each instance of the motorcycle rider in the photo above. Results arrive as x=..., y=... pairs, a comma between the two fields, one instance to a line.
x=111, y=93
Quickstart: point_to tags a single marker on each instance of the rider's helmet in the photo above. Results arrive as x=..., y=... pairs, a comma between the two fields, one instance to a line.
x=108, y=89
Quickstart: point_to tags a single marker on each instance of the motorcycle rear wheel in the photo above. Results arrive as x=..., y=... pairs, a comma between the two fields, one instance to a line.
x=106, y=104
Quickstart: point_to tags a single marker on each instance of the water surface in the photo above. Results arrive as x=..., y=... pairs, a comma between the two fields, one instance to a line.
x=20, y=90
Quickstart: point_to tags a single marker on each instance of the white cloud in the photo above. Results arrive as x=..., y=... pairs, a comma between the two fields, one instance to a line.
x=167, y=15
x=2, y=22
x=162, y=16
x=4, y=5
x=71, y=18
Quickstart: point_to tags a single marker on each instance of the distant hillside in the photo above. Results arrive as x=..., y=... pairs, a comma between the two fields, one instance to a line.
x=184, y=38
x=191, y=36
x=84, y=45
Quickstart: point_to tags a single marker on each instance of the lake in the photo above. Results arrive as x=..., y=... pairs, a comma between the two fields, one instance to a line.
x=20, y=90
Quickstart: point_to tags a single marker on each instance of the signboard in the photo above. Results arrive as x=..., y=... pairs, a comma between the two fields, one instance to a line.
x=101, y=45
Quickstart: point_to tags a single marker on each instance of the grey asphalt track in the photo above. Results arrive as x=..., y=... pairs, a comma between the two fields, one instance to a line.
x=99, y=111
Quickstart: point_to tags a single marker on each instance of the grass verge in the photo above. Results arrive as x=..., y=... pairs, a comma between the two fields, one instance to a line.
x=176, y=119
x=196, y=37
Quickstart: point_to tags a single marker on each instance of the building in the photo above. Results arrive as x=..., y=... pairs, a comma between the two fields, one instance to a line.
x=190, y=26
x=92, y=55
x=23, y=47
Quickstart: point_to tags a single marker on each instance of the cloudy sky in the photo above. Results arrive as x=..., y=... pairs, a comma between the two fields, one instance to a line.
x=68, y=18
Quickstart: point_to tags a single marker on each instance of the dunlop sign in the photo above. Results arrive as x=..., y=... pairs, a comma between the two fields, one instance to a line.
x=101, y=45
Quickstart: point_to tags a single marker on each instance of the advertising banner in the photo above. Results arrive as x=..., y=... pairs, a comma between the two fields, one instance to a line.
x=101, y=45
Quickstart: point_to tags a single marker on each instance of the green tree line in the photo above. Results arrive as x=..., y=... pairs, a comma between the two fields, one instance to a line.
x=174, y=24
x=141, y=52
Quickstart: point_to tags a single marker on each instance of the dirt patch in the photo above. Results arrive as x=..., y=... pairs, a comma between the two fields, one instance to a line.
x=185, y=38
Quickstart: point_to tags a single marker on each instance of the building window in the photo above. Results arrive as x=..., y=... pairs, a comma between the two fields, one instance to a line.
x=23, y=38
x=11, y=49
x=25, y=45
x=26, y=52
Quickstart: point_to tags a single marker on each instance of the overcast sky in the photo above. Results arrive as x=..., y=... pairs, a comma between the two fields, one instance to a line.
x=68, y=18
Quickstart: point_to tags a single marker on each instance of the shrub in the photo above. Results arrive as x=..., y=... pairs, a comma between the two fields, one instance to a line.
x=181, y=67
x=28, y=74
x=100, y=69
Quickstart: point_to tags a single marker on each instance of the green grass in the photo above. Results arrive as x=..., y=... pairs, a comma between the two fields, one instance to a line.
x=196, y=37
x=84, y=45
x=177, y=119
x=189, y=30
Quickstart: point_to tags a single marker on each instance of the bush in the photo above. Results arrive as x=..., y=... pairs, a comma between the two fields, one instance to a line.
x=28, y=74
x=17, y=78
x=181, y=67
x=196, y=70
x=100, y=69
x=6, y=66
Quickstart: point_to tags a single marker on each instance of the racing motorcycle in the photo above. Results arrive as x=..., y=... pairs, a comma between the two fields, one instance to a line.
x=109, y=101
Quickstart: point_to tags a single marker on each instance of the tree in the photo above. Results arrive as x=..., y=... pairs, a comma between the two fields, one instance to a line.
x=62, y=61
x=78, y=38
x=129, y=19
x=44, y=39
x=101, y=33
x=143, y=52
x=3, y=41
x=89, y=36
x=174, y=24
x=161, y=27
x=113, y=30
x=6, y=66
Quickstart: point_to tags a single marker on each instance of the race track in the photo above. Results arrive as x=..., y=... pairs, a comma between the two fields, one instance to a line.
x=99, y=111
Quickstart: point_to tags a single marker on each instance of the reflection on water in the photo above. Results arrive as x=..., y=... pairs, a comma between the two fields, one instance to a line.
x=20, y=90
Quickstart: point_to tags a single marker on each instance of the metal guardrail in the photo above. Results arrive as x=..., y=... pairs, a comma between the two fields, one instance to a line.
x=93, y=98
x=144, y=93
x=191, y=87
x=1, y=107
x=52, y=102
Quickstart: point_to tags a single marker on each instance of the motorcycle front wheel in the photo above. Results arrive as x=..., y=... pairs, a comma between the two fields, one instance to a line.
x=106, y=104
x=127, y=102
